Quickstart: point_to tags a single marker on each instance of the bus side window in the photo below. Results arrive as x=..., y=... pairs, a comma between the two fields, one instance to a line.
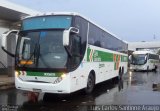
x=91, y=41
x=76, y=42
x=97, y=43
x=103, y=44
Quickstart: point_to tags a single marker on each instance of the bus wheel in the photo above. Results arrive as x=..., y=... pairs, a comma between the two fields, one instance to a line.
x=48, y=97
x=155, y=69
x=147, y=68
x=90, y=84
x=122, y=71
x=120, y=74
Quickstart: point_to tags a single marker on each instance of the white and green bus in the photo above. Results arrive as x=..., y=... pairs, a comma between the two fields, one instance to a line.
x=144, y=60
x=65, y=52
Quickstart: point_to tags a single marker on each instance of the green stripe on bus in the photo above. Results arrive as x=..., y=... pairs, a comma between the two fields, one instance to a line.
x=44, y=74
x=88, y=53
x=100, y=56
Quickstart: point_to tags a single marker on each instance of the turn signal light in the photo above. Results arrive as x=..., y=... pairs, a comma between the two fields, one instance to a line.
x=23, y=62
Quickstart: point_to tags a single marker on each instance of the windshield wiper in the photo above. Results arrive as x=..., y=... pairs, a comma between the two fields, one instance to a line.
x=37, y=55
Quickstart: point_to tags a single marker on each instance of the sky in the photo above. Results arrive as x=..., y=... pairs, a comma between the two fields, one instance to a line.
x=130, y=20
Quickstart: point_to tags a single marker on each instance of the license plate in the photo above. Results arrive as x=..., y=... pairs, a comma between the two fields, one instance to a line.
x=37, y=90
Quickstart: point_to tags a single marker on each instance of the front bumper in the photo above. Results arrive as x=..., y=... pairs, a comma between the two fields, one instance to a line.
x=62, y=87
x=138, y=67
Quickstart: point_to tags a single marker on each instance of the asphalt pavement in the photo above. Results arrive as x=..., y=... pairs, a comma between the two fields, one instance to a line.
x=134, y=89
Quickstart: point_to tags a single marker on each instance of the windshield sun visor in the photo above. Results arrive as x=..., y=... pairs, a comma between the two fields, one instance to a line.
x=47, y=22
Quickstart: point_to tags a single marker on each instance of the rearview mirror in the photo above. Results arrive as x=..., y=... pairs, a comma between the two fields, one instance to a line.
x=130, y=58
x=66, y=34
x=4, y=40
x=145, y=57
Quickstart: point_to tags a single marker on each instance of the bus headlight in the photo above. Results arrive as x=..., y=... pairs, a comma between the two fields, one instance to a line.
x=17, y=74
x=63, y=76
x=59, y=79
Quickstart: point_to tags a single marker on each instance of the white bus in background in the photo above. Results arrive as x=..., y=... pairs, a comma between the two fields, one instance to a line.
x=65, y=52
x=144, y=60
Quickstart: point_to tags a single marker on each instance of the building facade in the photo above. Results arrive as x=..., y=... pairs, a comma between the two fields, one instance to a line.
x=10, y=17
x=153, y=45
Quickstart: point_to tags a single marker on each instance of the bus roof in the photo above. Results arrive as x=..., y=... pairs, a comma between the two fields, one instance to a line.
x=143, y=52
x=75, y=14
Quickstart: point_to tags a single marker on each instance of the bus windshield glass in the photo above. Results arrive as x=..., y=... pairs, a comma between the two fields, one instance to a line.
x=41, y=49
x=138, y=59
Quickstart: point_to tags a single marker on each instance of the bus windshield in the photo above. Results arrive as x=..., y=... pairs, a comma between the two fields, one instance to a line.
x=138, y=59
x=41, y=49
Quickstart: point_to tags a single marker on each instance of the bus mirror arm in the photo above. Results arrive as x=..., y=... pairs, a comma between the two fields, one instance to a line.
x=10, y=54
x=74, y=30
x=4, y=41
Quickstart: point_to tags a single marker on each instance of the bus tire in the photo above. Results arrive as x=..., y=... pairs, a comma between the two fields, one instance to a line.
x=147, y=68
x=47, y=96
x=90, y=84
x=50, y=97
x=155, y=69
x=122, y=70
x=120, y=73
